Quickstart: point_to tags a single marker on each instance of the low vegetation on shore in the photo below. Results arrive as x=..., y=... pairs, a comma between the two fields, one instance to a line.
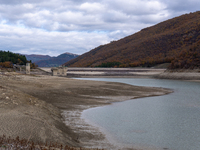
x=8, y=59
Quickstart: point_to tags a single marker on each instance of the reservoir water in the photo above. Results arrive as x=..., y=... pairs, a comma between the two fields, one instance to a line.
x=164, y=122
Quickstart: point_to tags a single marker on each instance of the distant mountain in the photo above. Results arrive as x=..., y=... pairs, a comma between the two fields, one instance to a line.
x=175, y=41
x=48, y=61
x=34, y=58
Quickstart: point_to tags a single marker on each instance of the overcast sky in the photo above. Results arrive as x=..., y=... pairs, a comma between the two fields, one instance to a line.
x=54, y=27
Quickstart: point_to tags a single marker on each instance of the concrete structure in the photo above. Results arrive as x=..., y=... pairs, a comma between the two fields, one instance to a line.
x=54, y=71
x=20, y=67
x=28, y=68
x=62, y=71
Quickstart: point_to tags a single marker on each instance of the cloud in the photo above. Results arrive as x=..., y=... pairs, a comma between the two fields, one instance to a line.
x=179, y=7
x=138, y=7
x=93, y=8
x=58, y=26
x=28, y=41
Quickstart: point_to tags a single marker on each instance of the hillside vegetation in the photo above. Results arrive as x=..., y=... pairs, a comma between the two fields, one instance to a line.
x=175, y=41
x=7, y=59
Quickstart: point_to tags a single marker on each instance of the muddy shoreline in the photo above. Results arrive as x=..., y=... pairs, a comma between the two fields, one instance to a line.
x=38, y=104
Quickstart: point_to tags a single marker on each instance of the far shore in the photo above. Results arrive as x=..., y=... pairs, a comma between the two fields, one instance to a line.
x=110, y=72
x=48, y=108
x=160, y=73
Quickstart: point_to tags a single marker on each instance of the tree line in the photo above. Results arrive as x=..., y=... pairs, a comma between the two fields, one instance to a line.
x=7, y=59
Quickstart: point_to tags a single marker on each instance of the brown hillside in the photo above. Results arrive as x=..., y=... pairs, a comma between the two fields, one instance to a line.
x=153, y=45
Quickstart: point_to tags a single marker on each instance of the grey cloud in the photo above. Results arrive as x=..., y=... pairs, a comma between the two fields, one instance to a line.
x=69, y=17
x=179, y=7
x=38, y=41
x=10, y=2
x=18, y=2
x=137, y=7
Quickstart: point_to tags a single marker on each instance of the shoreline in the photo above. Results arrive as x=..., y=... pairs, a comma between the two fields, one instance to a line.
x=110, y=72
x=180, y=74
x=114, y=144
x=48, y=96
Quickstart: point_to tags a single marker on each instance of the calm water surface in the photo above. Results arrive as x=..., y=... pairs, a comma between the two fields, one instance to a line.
x=170, y=122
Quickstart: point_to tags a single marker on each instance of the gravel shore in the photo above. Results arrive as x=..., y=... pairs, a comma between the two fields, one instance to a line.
x=47, y=108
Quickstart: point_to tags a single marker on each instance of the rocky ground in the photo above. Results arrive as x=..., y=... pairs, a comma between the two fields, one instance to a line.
x=47, y=108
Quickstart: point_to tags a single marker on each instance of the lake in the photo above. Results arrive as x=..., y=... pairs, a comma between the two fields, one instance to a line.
x=164, y=122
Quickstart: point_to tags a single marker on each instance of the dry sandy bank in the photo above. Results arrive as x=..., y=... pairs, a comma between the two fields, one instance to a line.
x=180, y=74
x=132, y=73
x=33, y=106
x=110, y=72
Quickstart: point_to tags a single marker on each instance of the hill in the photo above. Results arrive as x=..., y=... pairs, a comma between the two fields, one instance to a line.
x=174, y=41
x=34, y=58
x=7, y=59
x=56, y=61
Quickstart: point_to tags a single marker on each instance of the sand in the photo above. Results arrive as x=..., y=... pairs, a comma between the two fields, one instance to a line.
x=47, y=108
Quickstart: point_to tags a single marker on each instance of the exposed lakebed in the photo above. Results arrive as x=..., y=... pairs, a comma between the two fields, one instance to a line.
x=164, y=122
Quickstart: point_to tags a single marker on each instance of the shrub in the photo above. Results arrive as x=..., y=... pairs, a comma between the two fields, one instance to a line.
x=6, y=64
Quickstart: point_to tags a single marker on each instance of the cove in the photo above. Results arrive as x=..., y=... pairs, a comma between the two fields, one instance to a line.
x=164, y=122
